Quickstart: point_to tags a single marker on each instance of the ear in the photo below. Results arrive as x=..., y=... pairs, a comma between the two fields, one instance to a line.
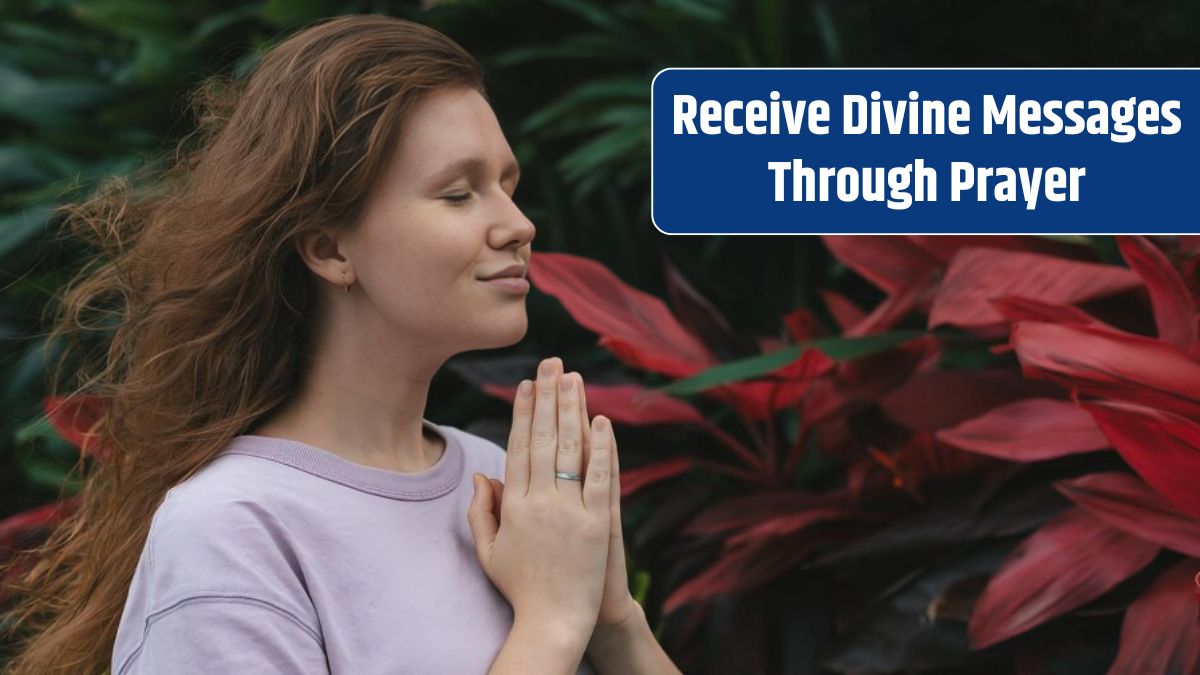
x=322, y=250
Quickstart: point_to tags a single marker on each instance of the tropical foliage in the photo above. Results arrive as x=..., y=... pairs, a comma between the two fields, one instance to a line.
x=1014, y=483
x=833, y=467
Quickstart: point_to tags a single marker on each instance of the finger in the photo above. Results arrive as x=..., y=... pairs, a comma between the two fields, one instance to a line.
x=498, y=492
x=614, y=503
x=482, y=519
x=544, y=435
x=584, y=423
x=570, y=436
x=516, y=463
x=583, y=414
x=597, y=488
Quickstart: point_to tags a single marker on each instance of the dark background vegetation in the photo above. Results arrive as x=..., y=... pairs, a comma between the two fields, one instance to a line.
x=90, y=88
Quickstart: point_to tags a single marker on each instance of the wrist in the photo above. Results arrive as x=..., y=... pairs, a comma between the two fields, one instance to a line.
x=624, y=631
x=559, y=632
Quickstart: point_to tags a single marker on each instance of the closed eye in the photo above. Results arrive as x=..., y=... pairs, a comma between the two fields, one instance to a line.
x=458, y=199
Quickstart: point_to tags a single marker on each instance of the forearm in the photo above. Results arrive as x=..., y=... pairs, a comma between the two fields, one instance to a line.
x=629, y=648
x=541, y=648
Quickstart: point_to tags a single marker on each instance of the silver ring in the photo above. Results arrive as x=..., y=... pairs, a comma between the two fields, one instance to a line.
x=567, y=476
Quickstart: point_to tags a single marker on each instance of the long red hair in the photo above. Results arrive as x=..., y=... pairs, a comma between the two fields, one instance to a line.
x=193, y=319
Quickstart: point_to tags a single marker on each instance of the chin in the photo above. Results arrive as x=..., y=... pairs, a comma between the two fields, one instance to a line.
x=504, y=331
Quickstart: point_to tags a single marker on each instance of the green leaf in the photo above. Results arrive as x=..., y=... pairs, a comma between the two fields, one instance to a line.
x=135, y=19
x=839, y=348
x=586, y=46
x=18, y=168
x=828, y=32
x=623, y=89
x=713, y=11
x=289, y=12
x=43, y=473
x=43, y=103
x=590, y=156
x=28, y=370
x=596, y=14
x=215, y=24
x=18, y=229
x=39, y=429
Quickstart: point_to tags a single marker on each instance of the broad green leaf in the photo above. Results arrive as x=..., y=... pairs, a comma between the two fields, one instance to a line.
x=18, y=168
x=135, y=19
x=839, y=348
x=18, y=229
x=601, y=149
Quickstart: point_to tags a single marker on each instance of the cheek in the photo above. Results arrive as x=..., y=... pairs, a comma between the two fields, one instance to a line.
x=422, y=248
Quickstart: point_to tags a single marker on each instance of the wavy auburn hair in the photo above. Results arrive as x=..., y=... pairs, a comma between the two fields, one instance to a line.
x=199, y=300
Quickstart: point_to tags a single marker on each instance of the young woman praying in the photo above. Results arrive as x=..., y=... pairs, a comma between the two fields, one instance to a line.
x=271, y=498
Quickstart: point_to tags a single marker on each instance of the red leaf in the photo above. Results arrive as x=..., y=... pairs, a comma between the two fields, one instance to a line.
x=16, y=527
x=891, y=263
x=743, y=511
x=700, y=317
x=1162, y=447
x=623, y=403
x=742, y=568
x=844, y=312
x=1070, y=561
x=944, y=246
x=1109, y=364
x=633, y=480
x=921, y=459
x=1015, y=308
x=802, y=325
x=1126, y=503
x=1161, y=632
x=791, y=523
x=758, y=399
x=652, y=360
x=75, y=420
x=977, y=275
x=897, y=306
x=867, y=378
x=1174, y=311
x=636, y=326
x=938, y=399
x=1027, y=431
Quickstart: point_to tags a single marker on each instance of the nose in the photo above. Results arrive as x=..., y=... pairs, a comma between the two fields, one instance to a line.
x=513, y=228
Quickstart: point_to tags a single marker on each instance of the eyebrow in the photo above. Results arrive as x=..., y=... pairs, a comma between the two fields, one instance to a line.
x=474, y=164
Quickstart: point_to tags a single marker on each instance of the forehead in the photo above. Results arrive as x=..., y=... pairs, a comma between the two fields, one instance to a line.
x=447, y=126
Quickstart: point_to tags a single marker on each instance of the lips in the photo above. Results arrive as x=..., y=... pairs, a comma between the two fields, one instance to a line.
x=516, y=271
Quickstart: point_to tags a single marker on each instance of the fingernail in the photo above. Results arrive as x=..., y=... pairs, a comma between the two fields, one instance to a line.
x=547, y=368
x=601, y=424
x=525, y=388
x=566, y=383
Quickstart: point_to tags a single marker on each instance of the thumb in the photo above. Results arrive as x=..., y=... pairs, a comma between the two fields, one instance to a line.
x=498, y=498
x=482, y=517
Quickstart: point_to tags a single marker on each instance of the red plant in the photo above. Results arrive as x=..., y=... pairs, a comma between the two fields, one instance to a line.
x=74, y=420
x=895, y=463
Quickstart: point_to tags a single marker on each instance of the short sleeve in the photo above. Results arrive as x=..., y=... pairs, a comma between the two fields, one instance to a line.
x=241, y=635
x=218, y=589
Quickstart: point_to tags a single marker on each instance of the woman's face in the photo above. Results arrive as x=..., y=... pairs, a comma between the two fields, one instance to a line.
x=444, y=217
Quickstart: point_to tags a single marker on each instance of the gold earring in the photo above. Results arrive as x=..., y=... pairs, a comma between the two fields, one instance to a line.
x=344, y=281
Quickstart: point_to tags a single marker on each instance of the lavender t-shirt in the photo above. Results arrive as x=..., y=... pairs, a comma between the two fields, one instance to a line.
x=282, y=557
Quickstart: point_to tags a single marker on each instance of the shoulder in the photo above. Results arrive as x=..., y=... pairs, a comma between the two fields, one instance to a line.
x=215, y=534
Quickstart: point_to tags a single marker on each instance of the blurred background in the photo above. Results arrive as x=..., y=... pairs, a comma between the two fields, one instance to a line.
x=839, y=454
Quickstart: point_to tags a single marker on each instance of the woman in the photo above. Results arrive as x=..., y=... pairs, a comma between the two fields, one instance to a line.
x=271, y=498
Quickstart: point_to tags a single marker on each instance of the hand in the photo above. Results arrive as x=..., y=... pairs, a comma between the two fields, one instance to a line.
x=617, y=604
x=546, y=547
